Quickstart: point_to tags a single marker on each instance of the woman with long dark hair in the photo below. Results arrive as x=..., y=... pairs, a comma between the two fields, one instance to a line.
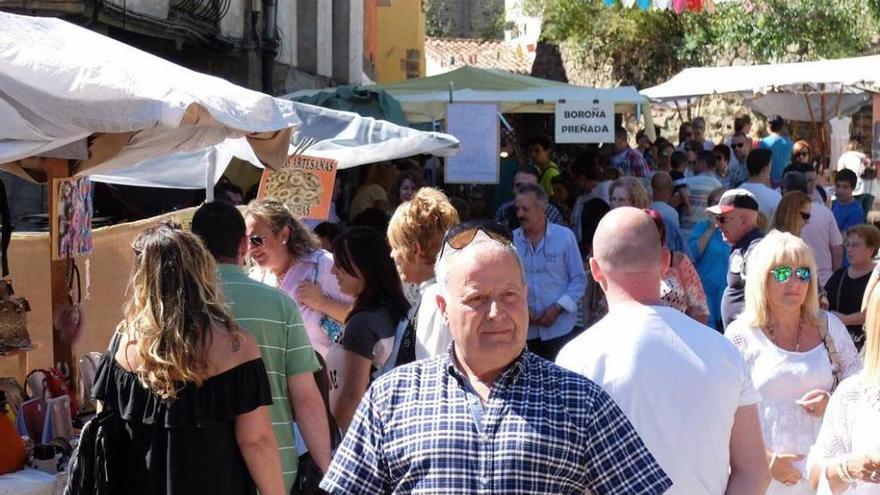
x=366, y=272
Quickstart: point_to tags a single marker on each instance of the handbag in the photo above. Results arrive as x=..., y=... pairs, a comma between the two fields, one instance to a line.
x=833, y=355
x=332, y=327
x=13, y=310
x=96, y=466
x=308, y=475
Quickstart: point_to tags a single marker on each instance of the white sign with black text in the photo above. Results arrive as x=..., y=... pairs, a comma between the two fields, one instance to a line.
x=585, y=122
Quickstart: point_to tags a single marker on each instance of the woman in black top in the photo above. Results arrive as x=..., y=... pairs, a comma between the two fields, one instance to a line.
x=186, y=383
x=846, y=287
x=366, y=272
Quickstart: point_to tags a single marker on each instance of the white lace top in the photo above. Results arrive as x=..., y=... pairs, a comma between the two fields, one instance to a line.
x=851, y=426
x=783, y=377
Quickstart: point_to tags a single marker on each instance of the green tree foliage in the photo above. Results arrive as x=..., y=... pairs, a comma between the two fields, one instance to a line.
x=646, y=47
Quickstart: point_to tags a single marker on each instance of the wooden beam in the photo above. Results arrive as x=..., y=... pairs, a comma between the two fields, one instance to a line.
x=62, y=337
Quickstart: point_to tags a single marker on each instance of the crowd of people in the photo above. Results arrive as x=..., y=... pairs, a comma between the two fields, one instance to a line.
x=682, y=318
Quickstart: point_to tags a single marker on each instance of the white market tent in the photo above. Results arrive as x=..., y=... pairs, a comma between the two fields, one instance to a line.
x=76, y=103
x=129, y=117
x=831, y=87
x=425, y=100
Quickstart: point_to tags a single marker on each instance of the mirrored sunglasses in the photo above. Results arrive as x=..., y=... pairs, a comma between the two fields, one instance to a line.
x=781, y=274
x=256, y=240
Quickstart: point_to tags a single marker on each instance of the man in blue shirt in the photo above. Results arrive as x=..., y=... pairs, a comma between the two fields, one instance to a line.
x=780, y=146
x=489, y=417
x=554, y=270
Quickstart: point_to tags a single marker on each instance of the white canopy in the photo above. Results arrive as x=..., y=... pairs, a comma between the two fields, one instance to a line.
x=782, y=89
x=141, y=120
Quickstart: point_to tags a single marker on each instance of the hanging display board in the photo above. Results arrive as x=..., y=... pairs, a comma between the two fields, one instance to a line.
x=304, y=184
x=72, y=218
x=585, y=122
x=476, y=127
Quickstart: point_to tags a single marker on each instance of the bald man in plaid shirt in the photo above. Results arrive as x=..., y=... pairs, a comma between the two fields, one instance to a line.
x=489, y=416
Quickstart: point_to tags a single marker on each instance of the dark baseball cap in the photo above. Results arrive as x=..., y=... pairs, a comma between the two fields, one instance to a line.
x=733, y=199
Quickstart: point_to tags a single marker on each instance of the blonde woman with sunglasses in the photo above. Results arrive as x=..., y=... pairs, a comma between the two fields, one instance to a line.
x=796, y=354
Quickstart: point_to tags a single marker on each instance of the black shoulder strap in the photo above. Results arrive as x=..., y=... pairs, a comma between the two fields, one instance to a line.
x=5, y=230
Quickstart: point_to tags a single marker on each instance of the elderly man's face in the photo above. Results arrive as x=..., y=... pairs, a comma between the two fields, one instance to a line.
x=735, y=224
x=529, y=210
x=486, y=307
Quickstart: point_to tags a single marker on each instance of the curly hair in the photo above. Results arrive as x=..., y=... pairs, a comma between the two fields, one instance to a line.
x=301, y=242
x=423, y=220
x=174, y=301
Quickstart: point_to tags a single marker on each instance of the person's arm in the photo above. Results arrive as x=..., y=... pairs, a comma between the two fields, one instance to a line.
x=836, y=257
x=872, y=283
x=749, y=473
x=258, y=447
x=700, y=240
x=310, y=415
x=857, y=318
x=312, y=296
x=354, y=382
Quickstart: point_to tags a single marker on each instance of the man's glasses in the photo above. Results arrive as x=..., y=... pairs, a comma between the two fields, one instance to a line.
x=720, y=157
x=257, y=241
x=738, y=145
x=782, y=274
x=721, y=219
x=804, y=153
x=459, y=236
x=805, y=216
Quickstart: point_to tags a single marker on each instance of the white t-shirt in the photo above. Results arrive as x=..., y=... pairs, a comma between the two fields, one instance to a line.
x=767, y=198
x=432, y=333
x=782, y=377
x=679, y=382
x=821, y=233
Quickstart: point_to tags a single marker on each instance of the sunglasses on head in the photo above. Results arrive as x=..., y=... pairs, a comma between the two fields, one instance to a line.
x=256, y=240
x=459, y=236
x=781, y=274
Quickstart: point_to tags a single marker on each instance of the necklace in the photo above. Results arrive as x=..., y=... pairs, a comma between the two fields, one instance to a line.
x=797, y=343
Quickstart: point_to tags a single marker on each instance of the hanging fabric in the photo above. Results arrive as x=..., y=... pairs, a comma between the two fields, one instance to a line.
x=628, y=3
x=679, y=5
x=662, y=4
x=644, y=4
x=694, y=5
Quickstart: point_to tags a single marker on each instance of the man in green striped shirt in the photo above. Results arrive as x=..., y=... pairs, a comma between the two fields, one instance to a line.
x=271, y=316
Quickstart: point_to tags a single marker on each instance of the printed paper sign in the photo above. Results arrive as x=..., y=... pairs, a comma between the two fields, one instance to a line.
x=585, y=122
x=476, y=127
x=72, y=218
x=304, y=184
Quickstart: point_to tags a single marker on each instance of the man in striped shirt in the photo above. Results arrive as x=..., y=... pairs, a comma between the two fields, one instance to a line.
x=271, y=316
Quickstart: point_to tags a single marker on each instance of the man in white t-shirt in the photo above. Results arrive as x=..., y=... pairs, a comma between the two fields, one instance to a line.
x=758, y=163
x=682, y=385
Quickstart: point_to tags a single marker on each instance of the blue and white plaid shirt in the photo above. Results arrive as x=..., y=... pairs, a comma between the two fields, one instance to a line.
x=543, y=430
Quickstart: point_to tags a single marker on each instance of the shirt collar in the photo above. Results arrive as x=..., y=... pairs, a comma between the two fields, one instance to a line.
x=747, y=239
x=511, y=374
x=427, y=283
x=230, y=269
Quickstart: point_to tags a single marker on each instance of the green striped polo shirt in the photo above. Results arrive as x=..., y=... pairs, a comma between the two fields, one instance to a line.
x=273, y=319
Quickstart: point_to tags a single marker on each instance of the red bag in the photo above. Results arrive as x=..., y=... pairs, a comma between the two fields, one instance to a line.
x=52, y=384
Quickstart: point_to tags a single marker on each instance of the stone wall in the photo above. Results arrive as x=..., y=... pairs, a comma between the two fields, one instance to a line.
x=464, y=18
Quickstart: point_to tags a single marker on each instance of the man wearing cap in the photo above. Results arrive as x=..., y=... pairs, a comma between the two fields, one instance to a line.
x=737, y=217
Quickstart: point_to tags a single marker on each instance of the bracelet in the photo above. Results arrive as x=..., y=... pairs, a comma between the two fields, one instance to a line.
x=843, y=472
